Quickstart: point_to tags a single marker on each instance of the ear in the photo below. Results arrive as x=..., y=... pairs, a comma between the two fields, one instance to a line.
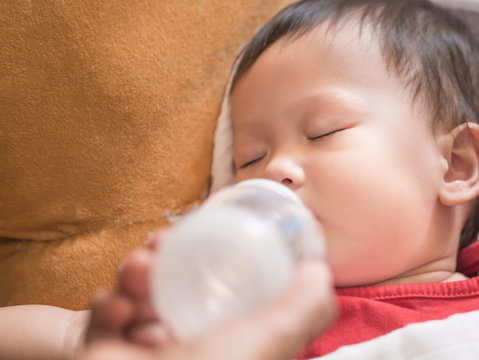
x=461, y=150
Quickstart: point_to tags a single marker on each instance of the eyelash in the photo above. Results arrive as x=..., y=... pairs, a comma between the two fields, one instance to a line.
x=251, y=162
x=324, y=135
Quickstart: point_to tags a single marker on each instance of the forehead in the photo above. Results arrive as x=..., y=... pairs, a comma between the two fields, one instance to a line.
x=324, y=60
x=346, y=40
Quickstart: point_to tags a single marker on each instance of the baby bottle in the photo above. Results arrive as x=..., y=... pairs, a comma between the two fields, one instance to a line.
x=234, y=254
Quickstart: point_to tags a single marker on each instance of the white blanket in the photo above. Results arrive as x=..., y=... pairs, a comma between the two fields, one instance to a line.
x=456, y=337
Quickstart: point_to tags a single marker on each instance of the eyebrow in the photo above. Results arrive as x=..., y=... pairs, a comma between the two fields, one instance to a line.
x=327, y=101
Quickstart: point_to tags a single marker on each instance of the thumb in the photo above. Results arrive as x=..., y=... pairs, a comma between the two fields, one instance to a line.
x=117, y=350
x=281, y=330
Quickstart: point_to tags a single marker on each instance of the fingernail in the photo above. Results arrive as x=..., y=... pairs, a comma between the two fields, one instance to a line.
x=121, y=266
x=150, y=237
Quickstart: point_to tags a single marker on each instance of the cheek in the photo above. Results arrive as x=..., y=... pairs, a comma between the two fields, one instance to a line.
x=373, y=178
x=375, y=191
x=369, y=211
x=249, y=173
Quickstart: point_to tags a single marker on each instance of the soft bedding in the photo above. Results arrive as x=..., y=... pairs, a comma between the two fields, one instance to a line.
x=456, y=337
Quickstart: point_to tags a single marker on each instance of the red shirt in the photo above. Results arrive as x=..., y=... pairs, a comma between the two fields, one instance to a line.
x=371, y=311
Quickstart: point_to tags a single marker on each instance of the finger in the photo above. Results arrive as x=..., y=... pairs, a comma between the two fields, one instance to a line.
x=134, y=282
x=150, y=334
x=134, y=273
x=284, y=328
x=153, y=239
x=309, y=306
x=108, y=350
x=305, y=311
x=110, y=313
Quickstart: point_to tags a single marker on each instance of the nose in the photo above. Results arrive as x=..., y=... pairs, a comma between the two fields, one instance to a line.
x=285, y=170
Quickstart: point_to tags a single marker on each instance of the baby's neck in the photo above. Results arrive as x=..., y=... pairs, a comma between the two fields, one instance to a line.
x=431, y=277
x=438, y=271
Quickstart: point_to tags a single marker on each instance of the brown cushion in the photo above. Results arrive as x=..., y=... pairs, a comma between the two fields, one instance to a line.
x=107, y=114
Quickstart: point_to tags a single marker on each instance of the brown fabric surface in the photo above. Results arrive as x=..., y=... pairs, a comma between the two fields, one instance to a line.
x=107, y=114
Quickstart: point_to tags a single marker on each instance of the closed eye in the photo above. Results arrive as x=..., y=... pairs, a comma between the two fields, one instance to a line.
x=324, y=135
x=249, y=163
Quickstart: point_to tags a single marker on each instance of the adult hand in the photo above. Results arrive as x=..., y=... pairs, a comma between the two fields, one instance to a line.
x=124, y=325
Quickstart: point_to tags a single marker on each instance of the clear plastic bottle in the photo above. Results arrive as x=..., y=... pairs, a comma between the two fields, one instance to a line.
x=234, y=254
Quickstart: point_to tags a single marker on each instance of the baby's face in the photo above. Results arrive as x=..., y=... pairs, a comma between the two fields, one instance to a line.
x=324, y=116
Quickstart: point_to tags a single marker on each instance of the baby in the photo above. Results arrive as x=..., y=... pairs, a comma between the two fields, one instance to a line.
x=368, y=110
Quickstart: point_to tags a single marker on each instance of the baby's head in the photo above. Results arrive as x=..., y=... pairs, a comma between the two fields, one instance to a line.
x=368, y=110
